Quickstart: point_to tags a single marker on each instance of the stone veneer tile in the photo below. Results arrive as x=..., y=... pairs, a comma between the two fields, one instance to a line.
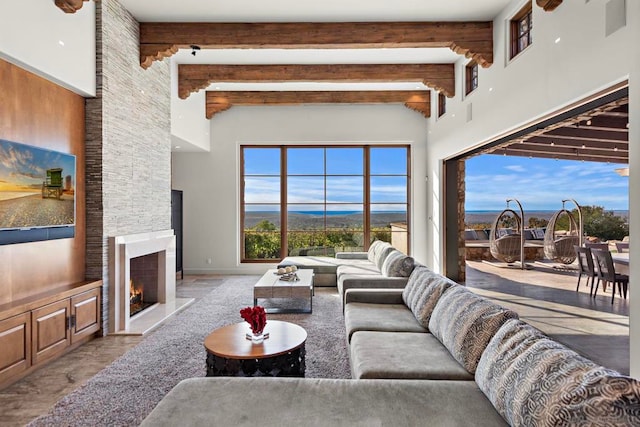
x=128, y=147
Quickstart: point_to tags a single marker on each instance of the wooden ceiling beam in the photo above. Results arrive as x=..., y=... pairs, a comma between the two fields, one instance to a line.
x=69, y=6
x=194, y=77
x=585, y=132
x=577, y=143
x=548, y=5
x=559, y=156
x=162, y=39
x=217, y=101
x=533, y=150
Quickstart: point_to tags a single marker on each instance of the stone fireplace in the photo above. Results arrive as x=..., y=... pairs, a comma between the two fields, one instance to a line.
x=142, y=275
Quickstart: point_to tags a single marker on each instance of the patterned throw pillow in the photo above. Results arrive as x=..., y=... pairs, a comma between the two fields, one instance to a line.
x=465, y=322
x=533, y=380
x=422, y=292
x=397, y=264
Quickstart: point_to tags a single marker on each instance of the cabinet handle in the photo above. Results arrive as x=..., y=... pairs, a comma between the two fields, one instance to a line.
x=71, y=321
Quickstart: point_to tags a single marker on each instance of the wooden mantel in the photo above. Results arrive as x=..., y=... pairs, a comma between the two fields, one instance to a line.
x=194, y=77
x=218, y=101
x=162, y=39
x=70, y=6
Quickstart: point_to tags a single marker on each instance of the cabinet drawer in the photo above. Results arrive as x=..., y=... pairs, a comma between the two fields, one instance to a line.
x=85, y=309
x=49, y=326
x=15, y=336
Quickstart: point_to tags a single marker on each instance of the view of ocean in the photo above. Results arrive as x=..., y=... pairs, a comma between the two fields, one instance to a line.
x=479, y=217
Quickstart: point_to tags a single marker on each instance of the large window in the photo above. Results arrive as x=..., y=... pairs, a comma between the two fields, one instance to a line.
x=300, y=200
x=521, y=26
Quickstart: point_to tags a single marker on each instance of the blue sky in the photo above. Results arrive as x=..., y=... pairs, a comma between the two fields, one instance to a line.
x=542, y=184
x=23, y=167
x=388, y=192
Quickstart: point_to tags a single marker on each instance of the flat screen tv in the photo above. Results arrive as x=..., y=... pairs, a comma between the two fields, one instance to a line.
x=37, y=194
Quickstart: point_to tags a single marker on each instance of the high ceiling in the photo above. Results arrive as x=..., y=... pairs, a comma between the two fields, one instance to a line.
x=306, y=11
x=281, y=11
x=246, y=53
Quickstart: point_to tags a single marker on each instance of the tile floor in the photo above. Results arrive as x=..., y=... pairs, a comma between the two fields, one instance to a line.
x=544, y=297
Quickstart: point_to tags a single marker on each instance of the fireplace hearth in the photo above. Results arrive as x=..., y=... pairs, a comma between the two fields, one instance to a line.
x=142, y=282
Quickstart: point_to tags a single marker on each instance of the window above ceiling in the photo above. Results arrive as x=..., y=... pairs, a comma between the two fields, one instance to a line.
x=520, y=30
x=470, y=77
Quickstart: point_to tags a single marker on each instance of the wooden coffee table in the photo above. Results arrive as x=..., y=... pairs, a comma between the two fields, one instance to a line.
x=270, y=286
x=230, y=353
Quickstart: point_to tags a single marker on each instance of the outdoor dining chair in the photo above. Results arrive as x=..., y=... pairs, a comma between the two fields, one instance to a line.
x=585, y=267
x=607, y=273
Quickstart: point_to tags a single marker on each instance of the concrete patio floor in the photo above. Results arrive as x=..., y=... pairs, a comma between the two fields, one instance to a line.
x=547, y=299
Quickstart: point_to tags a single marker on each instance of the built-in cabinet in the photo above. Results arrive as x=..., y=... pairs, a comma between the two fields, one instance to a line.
x=39, y=329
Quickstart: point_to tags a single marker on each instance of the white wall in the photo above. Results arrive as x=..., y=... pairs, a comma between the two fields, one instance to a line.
x=210, y=180
x=30, y=35
x=545, y=77
x=189, y=125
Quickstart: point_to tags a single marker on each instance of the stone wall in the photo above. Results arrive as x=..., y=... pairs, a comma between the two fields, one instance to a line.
x=128, y=148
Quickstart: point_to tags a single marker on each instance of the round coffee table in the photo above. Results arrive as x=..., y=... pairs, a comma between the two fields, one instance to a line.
x=230, y=353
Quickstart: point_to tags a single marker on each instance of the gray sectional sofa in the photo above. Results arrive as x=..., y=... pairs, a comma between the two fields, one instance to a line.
x=382, y=266
x=433, y=353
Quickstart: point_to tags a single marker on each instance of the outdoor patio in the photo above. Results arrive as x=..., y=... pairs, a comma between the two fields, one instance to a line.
x=547, y=299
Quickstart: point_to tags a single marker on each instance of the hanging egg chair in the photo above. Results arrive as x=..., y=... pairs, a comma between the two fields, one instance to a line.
x=505, y=244
x=559, y=247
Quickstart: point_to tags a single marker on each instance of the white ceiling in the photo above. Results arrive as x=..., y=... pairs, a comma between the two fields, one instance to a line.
x=312, y=11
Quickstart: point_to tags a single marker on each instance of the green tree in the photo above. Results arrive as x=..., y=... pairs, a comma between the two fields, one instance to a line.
x=265, y=225
x=599, y=223
x=535, y=222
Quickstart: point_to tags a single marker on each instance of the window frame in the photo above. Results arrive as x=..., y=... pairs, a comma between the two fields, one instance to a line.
x=471, y=77
x=442, y=104
x=515, y=33
x=284, y=204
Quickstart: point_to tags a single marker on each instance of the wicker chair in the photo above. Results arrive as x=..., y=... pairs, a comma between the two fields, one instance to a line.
x=561, y=248
x=505, y=248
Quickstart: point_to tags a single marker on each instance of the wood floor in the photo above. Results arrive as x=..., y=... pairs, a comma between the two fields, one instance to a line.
x=544, y=297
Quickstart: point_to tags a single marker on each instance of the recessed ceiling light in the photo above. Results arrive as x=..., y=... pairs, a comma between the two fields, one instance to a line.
x=558, y=40
x=142, y=91
x=177, y=147
x=453, y=115
x=60, y=42
x=490, y=89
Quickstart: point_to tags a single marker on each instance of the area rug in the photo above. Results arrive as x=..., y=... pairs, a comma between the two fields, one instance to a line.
x=126, y=391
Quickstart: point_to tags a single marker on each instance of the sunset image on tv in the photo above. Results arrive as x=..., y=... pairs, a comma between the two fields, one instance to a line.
x=37, y=187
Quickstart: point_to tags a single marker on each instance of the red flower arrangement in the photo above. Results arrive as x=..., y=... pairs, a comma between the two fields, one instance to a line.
x=256, y=317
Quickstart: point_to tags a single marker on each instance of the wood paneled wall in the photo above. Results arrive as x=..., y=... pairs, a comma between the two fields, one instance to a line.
x=38, y=112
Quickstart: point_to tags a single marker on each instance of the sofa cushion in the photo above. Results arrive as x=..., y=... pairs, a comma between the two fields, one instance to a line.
x=379, y=317
x=465, y=322
x=393, y=355
x=397, y=264
x=225, y=401
x=531, y=379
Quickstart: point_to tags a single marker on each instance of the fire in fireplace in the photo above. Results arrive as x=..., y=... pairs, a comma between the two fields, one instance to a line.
x=137, y=302
x=143, y=283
